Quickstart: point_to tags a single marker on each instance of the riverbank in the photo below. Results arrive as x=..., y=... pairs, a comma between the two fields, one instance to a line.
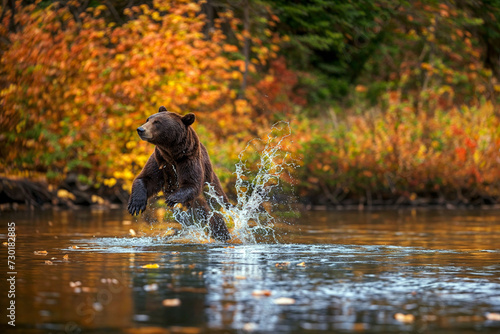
x=23, y=194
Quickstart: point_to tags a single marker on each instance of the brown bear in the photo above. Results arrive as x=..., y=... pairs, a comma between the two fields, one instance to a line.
x=180, y=167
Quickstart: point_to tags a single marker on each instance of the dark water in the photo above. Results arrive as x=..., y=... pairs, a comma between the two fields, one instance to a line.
x=384, y=272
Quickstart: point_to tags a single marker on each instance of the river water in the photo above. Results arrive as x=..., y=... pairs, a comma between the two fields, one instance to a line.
x=428, y=271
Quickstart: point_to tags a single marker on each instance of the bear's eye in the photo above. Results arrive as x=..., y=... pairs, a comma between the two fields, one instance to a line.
x=147, y=120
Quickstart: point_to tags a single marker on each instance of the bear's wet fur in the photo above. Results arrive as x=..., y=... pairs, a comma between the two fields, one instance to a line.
x=180, y=167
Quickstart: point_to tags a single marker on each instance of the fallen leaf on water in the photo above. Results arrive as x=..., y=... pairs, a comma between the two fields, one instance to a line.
x=261, y=293
x=282, y=264
x=493, y=316
x=171, y=302
x=40, y=252
x=284, y=301
x=49, y=262
x=132, y=233
x=151, y=287
x=240, y=277
x=406, y=318
x=175, y=253
x=66, y=257
x=151, y=266
x=358, y=326
x=75, y=247
x=5, y=243
x=302, y=264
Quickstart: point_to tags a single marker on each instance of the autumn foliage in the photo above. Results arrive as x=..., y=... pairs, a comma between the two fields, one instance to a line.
x=75, y=89
x=420, y=120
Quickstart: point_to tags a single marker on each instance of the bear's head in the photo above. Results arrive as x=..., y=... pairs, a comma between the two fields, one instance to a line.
x=165, y=128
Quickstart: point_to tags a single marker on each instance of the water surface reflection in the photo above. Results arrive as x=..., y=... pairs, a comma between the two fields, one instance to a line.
x=429, y=271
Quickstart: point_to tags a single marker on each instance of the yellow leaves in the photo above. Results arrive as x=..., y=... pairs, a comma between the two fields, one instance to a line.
x=131, y=144
x=476, y=157
x=125, y=174
x=62, y=193
x=151, y=266
x=97, y=199
x=109, y=182
x=120, y=57
x=102, y=80
x=155, y=16
x=426, y=66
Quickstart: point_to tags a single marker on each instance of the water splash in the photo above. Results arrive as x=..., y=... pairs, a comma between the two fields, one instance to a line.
x=259, y=172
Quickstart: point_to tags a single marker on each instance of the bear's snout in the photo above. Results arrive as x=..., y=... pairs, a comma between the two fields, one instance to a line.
x=143, y=133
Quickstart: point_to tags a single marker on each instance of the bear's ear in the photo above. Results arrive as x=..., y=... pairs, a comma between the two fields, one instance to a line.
x=162, y=108
x=188, y=119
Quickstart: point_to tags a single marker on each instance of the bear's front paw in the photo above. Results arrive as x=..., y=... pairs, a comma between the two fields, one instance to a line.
x=171, y=201
x=136, y=206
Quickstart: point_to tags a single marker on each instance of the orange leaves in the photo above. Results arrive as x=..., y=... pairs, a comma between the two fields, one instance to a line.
x=75, y=90
x=461, y=154
x=400, y=153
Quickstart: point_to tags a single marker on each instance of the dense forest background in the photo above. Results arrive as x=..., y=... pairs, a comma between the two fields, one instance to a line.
x=388, y=101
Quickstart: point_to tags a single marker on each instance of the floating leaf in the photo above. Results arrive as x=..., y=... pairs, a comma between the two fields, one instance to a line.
x=151, y=266
x=41, y=252
x=493, y=316
x=406, y=318
x=171, y=302
x=284, y=301
x=282, y=264
x=261, y=293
